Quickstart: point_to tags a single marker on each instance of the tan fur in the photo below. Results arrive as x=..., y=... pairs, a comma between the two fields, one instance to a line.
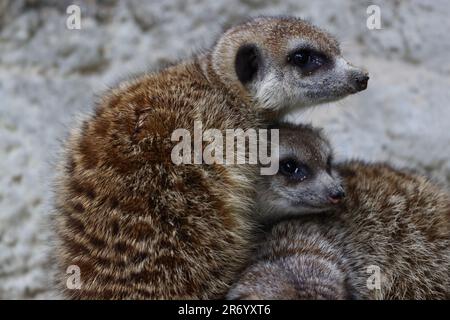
x=139, y=226
x=400, y=222
x=392, y=219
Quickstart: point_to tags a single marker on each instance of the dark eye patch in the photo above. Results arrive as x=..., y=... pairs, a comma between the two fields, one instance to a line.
x=247, y=62
x=308, y=60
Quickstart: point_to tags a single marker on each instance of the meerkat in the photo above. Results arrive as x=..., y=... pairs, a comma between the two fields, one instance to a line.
x=350, y=230
x=139, y=226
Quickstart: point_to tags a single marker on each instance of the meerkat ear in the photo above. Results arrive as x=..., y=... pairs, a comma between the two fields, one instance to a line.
x=247, y=62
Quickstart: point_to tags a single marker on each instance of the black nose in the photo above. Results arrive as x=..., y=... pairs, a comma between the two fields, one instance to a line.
x=336, y=196
x=361, y=81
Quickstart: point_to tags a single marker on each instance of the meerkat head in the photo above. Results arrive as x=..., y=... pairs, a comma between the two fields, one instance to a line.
x=306, y=181
x=284, y=63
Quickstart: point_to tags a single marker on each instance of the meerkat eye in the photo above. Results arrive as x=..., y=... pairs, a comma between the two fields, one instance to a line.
x=307, y=60
x=294, y=170
x=301, y=58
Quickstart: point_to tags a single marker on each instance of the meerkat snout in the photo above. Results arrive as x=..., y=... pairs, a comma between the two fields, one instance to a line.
x=359, y=79
x=306, y=181
x=285, y=63
x=336, y=195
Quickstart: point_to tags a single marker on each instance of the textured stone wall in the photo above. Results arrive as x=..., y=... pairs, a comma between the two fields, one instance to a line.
x=49, y=74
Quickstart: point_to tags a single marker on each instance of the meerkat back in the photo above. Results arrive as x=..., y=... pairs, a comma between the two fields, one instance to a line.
x=136, y=224
x=396, y=227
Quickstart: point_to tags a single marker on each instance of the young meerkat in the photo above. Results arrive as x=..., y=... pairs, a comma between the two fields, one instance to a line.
x=328, y=246
x=141, y=227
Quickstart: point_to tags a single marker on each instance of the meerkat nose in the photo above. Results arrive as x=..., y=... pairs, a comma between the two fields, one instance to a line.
x=336, y=196
x=361, y=81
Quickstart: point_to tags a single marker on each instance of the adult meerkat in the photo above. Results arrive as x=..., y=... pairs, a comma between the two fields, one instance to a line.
x=140, y=227
x=391, y=221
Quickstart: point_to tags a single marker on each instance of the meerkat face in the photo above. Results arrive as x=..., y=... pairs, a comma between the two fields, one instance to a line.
x=307, y=76
x=286, y=63
x=306, y=181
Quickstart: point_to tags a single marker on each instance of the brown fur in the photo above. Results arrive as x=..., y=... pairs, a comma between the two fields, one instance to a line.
x=139, y=226
x=393, y=219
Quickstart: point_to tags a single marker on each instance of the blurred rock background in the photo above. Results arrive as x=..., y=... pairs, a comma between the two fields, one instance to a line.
x=49, y=74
